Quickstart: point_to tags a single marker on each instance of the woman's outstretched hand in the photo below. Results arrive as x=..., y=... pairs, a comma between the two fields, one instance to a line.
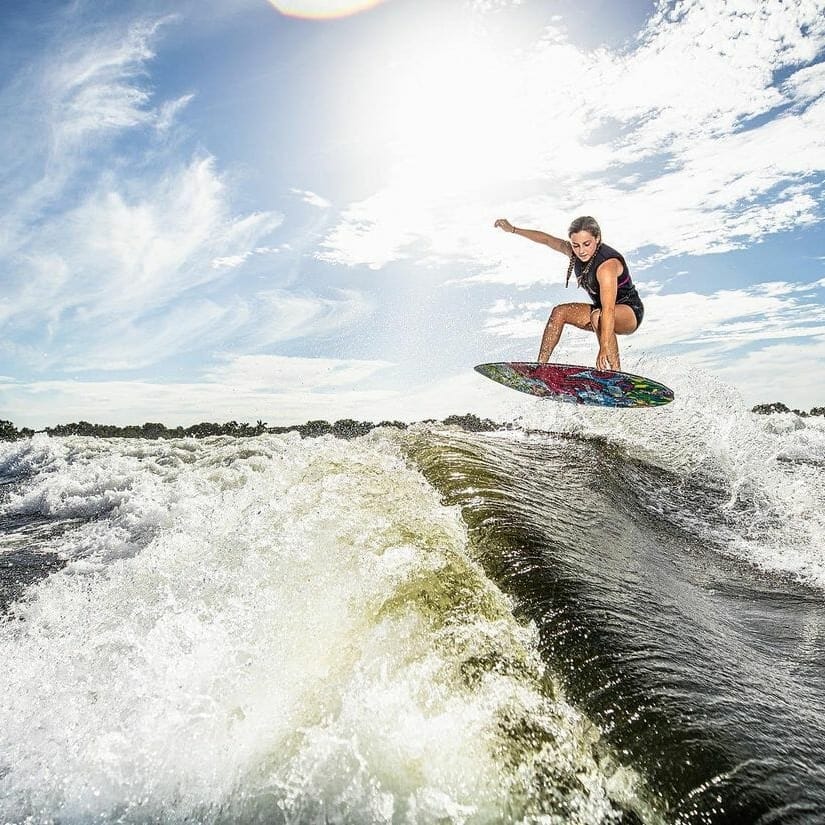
x=503, y=223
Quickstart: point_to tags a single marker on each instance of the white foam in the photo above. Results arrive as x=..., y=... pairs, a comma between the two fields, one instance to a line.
x=773, y=466
x=270, y=627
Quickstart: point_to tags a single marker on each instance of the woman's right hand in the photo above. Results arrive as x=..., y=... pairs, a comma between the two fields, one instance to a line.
x=503, y=223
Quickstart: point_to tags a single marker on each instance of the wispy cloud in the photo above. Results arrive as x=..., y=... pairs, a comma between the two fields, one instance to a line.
x=118, y=258
x=493, y=5
x=276, y=389
x=279, y=315
x=126, y=343
x=373, y=232
x=40, y=404
x=167, y=114
x=312, y=198
x=778, y=372
x=97, y=85
x=103, y=250
x=70, y=101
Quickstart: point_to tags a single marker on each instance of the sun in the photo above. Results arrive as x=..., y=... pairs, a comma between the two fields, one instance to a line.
x=323, y=9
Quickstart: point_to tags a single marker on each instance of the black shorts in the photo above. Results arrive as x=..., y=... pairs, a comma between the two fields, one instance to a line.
x=637, y=307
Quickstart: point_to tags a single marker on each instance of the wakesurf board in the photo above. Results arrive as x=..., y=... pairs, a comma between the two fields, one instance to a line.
x=578, y=385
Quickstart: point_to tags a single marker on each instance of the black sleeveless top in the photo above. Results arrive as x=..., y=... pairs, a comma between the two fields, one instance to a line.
x=626, y=292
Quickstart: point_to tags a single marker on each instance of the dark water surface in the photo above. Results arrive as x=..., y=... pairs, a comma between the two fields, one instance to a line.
x=707, y=671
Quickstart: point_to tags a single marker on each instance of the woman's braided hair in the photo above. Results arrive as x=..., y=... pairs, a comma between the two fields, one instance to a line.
x=583, y=224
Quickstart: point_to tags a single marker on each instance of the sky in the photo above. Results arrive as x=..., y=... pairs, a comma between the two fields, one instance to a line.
x=283, y=211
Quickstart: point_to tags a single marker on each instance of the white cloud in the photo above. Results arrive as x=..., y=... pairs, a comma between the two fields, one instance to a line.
x=68, y=102
x=124, y=254
x=372, y=232
x=120, y=402
x=486, y=6
x=502, y=305
x=95, y=254
x=702, y=68
x=518, y=321
x=312, y=199
x=281, y=315
x=94, y=86
x=168, y=112
x=230, y=261
x=276, y=372
x=784, y=288
x=126, y=343
x=780, y=371
x=758, y=313
x=661, y=142
x=131, y=341
x=234, y=261
x=729, y=318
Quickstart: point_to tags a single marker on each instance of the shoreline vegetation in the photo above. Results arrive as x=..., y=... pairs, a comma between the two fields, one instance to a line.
x=343, y=428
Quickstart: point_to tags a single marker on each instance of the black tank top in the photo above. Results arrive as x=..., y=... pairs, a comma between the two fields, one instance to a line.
x=626, y=292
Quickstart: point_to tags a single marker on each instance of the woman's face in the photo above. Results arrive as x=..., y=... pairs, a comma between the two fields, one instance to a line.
x=584, y=245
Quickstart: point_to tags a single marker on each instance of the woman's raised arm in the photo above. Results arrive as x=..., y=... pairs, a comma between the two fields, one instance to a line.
x=559, y=244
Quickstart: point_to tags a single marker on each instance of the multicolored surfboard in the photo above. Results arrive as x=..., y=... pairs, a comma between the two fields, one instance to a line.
x=578, y=385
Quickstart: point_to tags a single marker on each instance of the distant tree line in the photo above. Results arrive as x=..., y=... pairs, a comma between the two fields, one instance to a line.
x=779, y=407
x=344, y=428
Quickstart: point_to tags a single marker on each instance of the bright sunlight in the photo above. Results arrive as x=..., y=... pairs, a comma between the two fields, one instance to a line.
x=322, y=9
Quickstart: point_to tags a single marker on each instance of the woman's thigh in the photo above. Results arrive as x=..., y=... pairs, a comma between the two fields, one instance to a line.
x=624, y=323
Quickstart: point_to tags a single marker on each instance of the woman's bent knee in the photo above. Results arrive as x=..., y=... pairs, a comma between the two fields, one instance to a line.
x=575, y=314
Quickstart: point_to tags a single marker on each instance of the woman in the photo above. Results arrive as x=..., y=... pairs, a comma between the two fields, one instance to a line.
x=602, y=272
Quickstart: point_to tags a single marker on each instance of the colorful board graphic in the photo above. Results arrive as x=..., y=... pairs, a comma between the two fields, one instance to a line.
x=578, y=385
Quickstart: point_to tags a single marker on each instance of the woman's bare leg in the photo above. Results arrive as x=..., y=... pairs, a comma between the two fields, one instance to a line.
x=576, y=314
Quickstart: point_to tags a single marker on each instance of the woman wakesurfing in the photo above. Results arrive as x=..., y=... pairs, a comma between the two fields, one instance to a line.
x=615, y=307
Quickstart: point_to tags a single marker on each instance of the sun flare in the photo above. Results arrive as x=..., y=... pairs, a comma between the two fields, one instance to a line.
x=323, y=9
x=445, y=106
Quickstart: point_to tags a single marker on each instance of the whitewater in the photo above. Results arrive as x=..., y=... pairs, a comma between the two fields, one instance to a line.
x=587, y=617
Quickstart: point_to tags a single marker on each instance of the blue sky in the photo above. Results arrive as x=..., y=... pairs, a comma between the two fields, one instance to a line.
x=222, y=210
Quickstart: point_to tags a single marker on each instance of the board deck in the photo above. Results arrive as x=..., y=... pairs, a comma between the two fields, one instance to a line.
x=578, y=385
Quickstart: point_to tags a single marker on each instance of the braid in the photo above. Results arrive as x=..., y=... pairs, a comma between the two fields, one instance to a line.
x=569, y=270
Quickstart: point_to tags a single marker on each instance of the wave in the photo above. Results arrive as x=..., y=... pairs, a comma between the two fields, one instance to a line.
x=675, y=574
x=276, y=630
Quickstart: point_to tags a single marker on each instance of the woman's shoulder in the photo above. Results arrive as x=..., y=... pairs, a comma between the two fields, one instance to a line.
x=607, y=252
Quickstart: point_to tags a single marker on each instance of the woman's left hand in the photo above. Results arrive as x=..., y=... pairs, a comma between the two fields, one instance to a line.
x=607, y=360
